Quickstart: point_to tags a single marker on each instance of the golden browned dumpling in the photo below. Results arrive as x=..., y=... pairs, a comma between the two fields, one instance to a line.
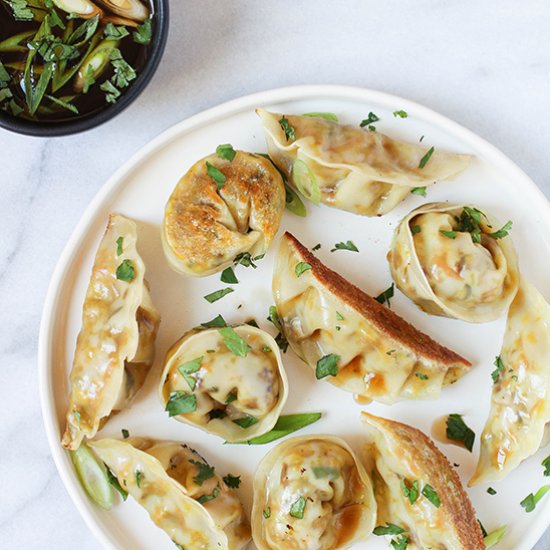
x=116, y=345
x=182, y=493
x=349, y=168
x=351, y=340
x=220, y=209
x=520, y=401
x=417, y=490
x=311, y=493
x=455, y=260
x=229, y=381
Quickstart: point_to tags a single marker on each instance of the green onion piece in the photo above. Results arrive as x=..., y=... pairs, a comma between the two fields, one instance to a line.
x=327, y=116
x=93, y=476
x=285, y=425
x=305, y=181
x=217, y=295
x=457, y=430
x=228, y=276
x=494, y=537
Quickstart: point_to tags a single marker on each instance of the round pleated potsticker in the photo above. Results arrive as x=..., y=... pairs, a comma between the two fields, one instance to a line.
x=456, y=261
x=222, y=209
x=228, y=381
x=311, y=492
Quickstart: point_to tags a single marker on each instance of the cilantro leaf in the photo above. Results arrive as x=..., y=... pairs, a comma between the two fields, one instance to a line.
x=226, y=152
x=499, y=369
x=503, y=231
x=388, y=529
x=228, y=276
x=126, y=271
x=457, y=430
x=205, y=471
x=217, y=322
x=301, y=267
x=143, y=33
x=385, y=296
x=234, y=342
x=288, y=129
x=215, y=175
x=400, y=114
x=429, y=492
x=297, y=508
x=419, y=191
x=348, y=245
x=217, y=295
x=424, y=160
x=181, y=402
x=206, y=498
x=327, y=366
x=233, y=482
x=369, y=120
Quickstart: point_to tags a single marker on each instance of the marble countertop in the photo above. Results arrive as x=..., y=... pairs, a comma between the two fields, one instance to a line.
x=484, y=64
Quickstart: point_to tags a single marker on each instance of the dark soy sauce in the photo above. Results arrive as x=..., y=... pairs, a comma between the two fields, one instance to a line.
x=87, y=103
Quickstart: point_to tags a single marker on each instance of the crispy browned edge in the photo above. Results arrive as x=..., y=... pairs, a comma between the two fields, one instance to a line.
x=443, y=478
x=385, y=320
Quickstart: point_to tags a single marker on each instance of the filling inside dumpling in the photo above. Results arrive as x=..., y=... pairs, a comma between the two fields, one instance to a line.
x=228, y=381
x=314, y=497
x=459, y=270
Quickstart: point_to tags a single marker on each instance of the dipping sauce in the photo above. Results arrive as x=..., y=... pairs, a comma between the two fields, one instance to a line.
x=63, y=59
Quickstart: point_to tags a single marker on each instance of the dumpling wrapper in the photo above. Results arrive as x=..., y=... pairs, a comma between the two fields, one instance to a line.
x=160, y=476
x=339, y=504
x=397, y=452
x=457, y=278
x=382, y=357
x=226, y=386
x=353, y=169
x=116, y=344
x=520, y=401
x=205, y=228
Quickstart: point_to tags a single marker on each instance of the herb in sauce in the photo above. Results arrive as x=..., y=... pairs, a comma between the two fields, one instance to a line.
x=233, y=482
x=457, y=430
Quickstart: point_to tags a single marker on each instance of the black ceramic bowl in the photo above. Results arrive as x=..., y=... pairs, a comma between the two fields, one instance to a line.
x=86, y=122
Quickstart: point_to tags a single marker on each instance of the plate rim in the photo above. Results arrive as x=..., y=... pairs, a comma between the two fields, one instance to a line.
x=199, y=119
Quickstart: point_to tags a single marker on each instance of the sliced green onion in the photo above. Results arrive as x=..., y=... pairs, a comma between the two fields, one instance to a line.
x=327, y=116
x=93, y=476
x=305, y=181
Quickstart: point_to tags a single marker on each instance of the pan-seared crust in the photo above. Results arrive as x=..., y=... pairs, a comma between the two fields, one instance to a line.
x=385, y=320
x=206, y=227
x=419, y=449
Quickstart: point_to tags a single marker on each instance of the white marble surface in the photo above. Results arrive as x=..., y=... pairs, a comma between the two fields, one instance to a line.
x=485, y=64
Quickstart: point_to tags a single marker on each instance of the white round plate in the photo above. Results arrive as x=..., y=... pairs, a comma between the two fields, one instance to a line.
x=140, y=189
